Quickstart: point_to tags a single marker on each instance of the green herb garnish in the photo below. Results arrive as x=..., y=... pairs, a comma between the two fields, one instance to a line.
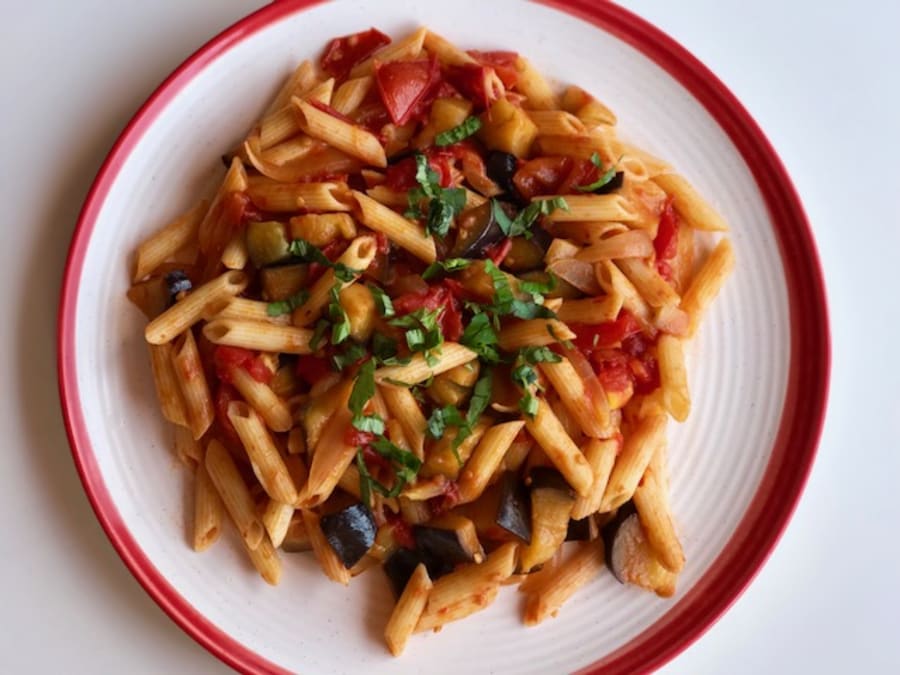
x=445, y=266
x=340, y=322
x=382, y=301
x=300, y=248
x=470, y=126
x=287, y=305
x=443, y=205
x=521, y=225
x=605, y=177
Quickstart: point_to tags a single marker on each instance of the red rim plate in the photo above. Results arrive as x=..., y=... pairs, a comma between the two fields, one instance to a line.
x=805, y=399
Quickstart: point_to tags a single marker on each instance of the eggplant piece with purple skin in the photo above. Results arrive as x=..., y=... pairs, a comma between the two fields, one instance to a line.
x=400, y=567
x=476, y=229
x=500, y=168
x=177, y=282
x=584, y=529
x=552, y=500
x=351, y=532
x=514, y=510
x=631, y=558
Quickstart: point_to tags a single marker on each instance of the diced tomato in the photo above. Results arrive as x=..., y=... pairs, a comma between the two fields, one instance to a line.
x=325, y=108
x=542, y=176
x=666, y=242
x=665, y=270
x=382, y=243
x=589, y=338
x=438, y=296
x=498, y=252
x=332, y=251
x=474, y=83
x=443, y=503
x=402, y=530
x=358, y=438
x=402, y=175
x=225, y=394
x=342, y=53
x=636, y=344
x=583, y=172
x=645, y=373
x=402, y=84
x=225, y=358
x=503, y=63
x=311, y=369
x=235, y=206
x=612, y=370
x=373, y=116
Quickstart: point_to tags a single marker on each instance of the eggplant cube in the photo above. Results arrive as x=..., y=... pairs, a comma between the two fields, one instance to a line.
x=351, y=533
x=514, y=510
x=630, y=556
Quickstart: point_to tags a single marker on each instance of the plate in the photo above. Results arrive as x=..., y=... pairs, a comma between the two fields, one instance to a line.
x=758, y=371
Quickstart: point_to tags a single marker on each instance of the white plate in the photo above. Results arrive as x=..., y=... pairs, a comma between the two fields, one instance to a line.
x=758, y=374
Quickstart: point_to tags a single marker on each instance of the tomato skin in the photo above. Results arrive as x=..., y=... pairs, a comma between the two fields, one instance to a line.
x=473, y=82
x=541, y=176
x=589, y=338
x=311, y=369
x=666, y=242
x=503, y=63
x=402, y=175
x=439, y=296
x=498, y=252
x=402, y=84
x=342, y=53
x=225, y=358
x=358, y=438
x=612, y=371
x=583, y=173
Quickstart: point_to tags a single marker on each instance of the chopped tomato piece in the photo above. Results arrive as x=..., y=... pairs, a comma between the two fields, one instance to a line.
x=311, y=369
x=613, y=371
x=373, y=116
x=443, y=503
x=402, y=175
x=474, y=81
x=589, y=338
x=645, y=373
x=342, y=53
x=402, y=84
x=583, y=172
x=441, y=297
x=225, y=358
x=666, y=242
x=503, y=63
x=358, y=438
x=541, y=176
x=498, y=252
x=402, y=530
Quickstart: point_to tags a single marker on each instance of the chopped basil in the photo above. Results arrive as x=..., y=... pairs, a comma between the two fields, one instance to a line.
x=353, y=353
x=470, y=126
x=340, y=322
x=363, y=388
x=287, y=305
x=605, y=177
x=528, y=404
x=384, y=349
x=521, y=225
x=300, y=248
x=505, y=302
x=445, y=266
x=481, y=338
x=444, y=203
x=382, y=301
x=318, y=334
x=539, y=355
x=423, y=332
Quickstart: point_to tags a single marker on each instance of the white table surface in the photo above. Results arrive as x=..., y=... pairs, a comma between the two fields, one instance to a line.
x=820, y=78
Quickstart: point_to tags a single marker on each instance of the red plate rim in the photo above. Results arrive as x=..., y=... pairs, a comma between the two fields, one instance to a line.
x=802, y=417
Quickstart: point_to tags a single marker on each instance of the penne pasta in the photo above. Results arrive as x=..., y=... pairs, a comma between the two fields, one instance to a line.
x=191, y=380
x=242, y=309
x=273, y=410
x=673, y=377
x=402, y=406
x=588, y=407
x=652, y=506
x=533, y=333
x=595, y=310
x=403, y=232
x=655, y=290
x=583, y=566
x=168, y=389
x=207, y=510
x=631, y=463
x=348, y=138
x=601, y=456
x=694, y=211
x=259, y=335
x=629, y=244
x=418, y=369
x=408, y=610
x=556, y=123
x=707, y=283
x=614, y=282
x=328, y=560
x=274, y=196
x=188, y=450
x=485, y=460
x=234, y=257
x=234, y=493
x=406, y=48
x=211, y=297
x=537, y=91
x=547, y=430
x=277, y=520
x=594, y=207
x=165, y=243
x=330, y=460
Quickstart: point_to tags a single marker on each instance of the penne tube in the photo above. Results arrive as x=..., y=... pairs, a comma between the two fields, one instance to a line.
x=591, y=111
x=613, y=282
x=578, y=147
x=445, y=51
x=588, y=407
x=533, y=333
x=692, y=208
x=652, y=506
x=357, y=257
x=601, y=456
x=652, y=164
x=348, y=138
x=408, y=610
x=277, y=519
x=706, y=284
x=403, y=407
x=211, y=297
x=265, y=560
x=549, y=433
x=404, y=49
x=301, y=80
x=418, y=370
x=242, y=309
x=322, y=407
x=629, y=244
x=268, y=466
x=187, y=449
x=584, y=565
x=191, y=379
x=290, y=151
x=349, y=481
x=332, y=456
x=635, y=170
x=673, y=377
x=458, y=594
x=234, y=493
x=168, y=389
x=207, y=510
x=405, y=233
x=271, y=195
x=328, y=560
x=537, y=91
x=260, y=335
x=484, y=461
x=385, y=195
x=278, y=126
x=165, y=243
x=655, y=290
x=348, y=97
x=593, y=207
x=234, y=257
x=211, y=228
x=273, y=410
x=556, y=123
x=592, y=311
x=631, y=463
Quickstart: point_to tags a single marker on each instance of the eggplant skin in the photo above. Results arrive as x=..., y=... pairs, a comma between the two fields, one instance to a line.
x=610, y=532
x=545, y=477
x=630, y=556
x=400, y=567
x=438, y=544
x=351, y=532
x=514, y=510
x=476, y=229
x=500, y=168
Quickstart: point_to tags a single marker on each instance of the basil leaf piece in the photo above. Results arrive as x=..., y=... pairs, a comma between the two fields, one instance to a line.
x=445, y=266
x=287, y=305
x=382, y=301
x=469, y=127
